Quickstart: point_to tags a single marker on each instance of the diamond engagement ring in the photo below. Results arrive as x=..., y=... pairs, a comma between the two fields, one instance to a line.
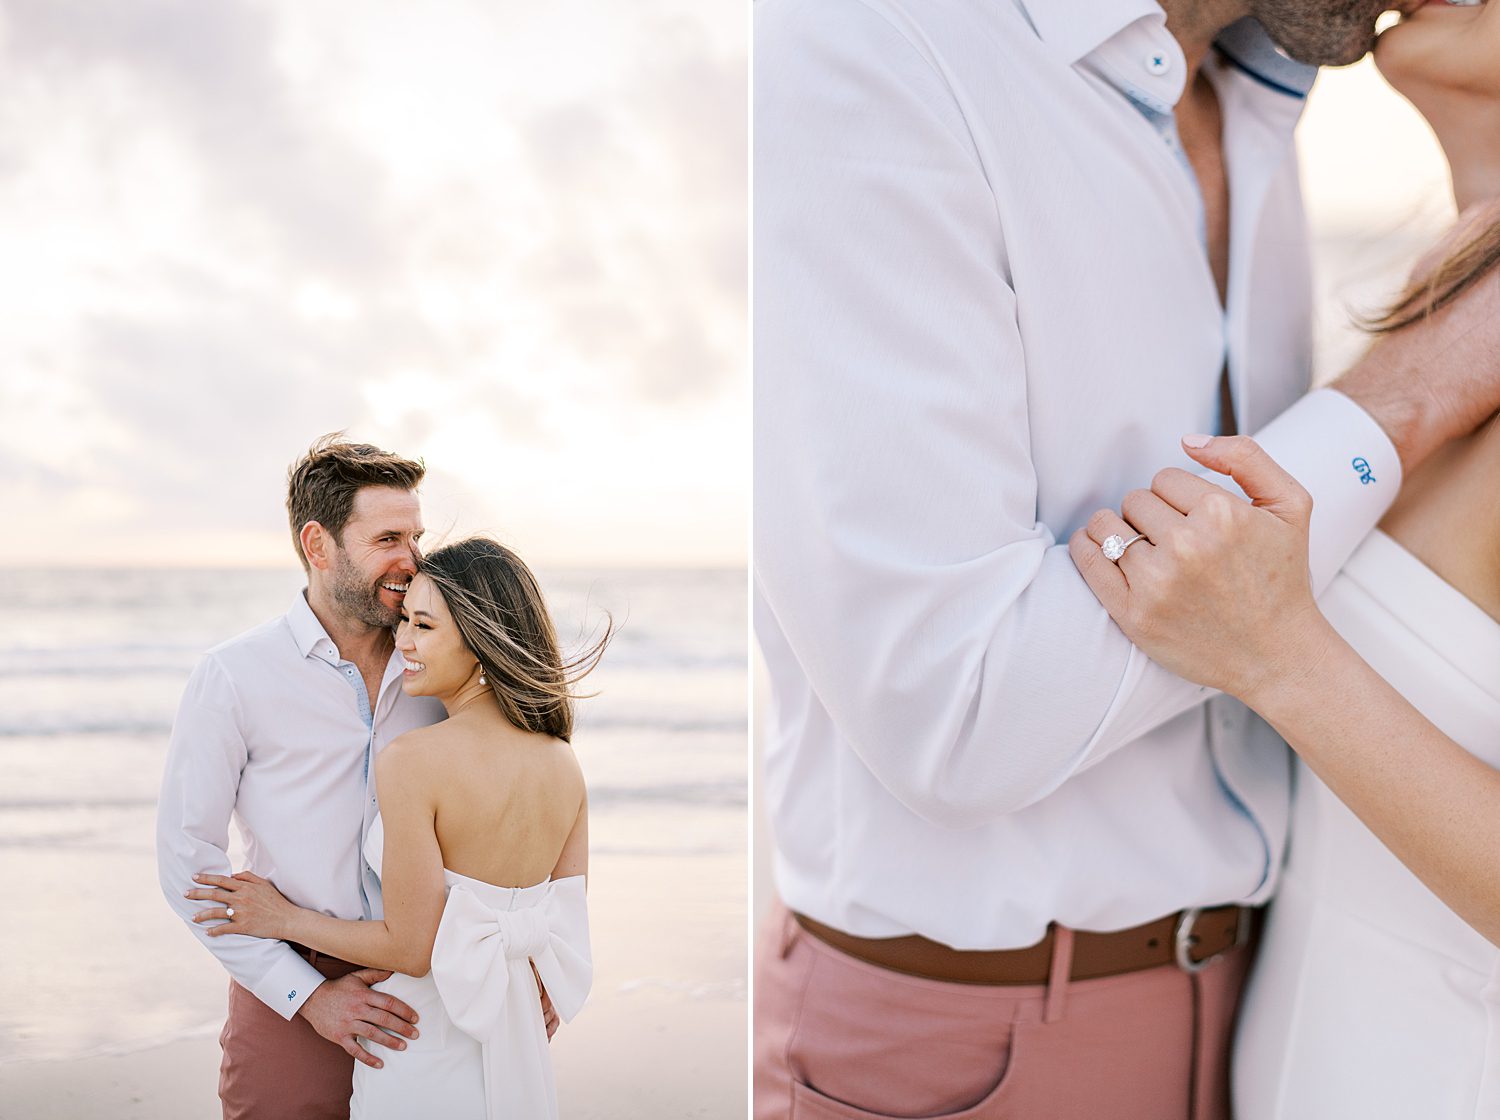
x=229, y=911
x=1114, y=545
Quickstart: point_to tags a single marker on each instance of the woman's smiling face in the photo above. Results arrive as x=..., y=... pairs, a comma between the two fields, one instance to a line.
x=438, y=663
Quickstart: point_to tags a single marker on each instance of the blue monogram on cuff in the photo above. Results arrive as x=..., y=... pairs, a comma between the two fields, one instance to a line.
x=1362, y=465
x=292, y=994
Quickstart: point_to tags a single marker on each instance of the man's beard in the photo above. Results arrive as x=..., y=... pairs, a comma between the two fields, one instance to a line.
x=1321, y=32
x=358, y=599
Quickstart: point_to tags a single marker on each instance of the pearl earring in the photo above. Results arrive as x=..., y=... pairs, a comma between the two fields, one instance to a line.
x=481, y=675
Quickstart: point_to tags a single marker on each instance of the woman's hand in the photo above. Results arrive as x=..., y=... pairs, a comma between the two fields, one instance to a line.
x=252, y=906
x=1218, y=591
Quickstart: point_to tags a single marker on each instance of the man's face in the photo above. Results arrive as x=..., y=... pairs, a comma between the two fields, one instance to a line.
x=1325, y=32
x=373, y=567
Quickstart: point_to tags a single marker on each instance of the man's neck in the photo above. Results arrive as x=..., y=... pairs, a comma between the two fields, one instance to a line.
x=1195, y=24
x=356, y=641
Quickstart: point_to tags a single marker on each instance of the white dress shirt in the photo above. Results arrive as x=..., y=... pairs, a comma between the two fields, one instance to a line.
x=983, y=309
x=277, y=731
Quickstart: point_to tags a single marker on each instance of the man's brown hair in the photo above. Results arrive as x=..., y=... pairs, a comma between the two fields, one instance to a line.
x=321, y=485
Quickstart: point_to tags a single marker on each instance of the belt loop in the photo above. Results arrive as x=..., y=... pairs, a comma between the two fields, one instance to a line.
x=1057, y=977
x=789, y=931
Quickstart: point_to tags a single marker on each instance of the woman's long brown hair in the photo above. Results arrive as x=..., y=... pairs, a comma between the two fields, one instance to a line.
x=498, y=608
x=1457, y=274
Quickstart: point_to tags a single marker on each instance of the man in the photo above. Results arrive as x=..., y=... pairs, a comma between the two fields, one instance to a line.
x=279, y=728
x=1007, y=253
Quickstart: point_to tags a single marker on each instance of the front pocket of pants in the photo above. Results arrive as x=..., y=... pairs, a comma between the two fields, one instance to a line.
x=809, y=1103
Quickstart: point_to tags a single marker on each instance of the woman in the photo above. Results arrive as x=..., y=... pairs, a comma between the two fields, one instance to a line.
x=481, y=844
x=1377, y=991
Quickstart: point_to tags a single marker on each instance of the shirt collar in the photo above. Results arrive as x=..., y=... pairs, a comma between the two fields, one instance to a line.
x=1127, y=43
x=308, y=632
x=1247, y=47
x=1079, y=27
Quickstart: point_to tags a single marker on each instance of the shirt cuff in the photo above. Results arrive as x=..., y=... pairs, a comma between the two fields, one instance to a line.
x=286, y=987
x=1344, y=459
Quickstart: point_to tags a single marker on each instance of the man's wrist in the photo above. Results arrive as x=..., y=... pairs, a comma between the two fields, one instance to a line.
x=309, y=998
x=1393, y=402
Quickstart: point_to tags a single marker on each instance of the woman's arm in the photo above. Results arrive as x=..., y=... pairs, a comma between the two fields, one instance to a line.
x=1431, y=802
x=1218, y=593
x=411, y=884
x=574, y=858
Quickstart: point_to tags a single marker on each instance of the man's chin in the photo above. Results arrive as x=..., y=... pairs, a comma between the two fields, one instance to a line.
x=1329, y=55
x=1340, y=42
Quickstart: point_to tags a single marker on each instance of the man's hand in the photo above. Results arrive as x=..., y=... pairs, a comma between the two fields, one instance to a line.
x=549, y=1013
x=345, y=1010
x=1439, y=378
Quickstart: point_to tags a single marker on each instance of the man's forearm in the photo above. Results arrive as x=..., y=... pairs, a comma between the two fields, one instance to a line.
x=1438, y=378
x=199, y=791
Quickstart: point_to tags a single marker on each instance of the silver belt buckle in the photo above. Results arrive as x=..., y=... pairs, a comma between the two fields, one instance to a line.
x=1183, y=938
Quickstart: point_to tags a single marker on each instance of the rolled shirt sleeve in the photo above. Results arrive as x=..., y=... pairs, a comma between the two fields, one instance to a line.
x=199, y=788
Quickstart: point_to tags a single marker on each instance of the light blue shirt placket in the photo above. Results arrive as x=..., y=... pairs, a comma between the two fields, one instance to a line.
x=369, y=882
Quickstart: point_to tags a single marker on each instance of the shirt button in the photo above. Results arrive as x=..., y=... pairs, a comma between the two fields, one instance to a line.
x=1158, y=63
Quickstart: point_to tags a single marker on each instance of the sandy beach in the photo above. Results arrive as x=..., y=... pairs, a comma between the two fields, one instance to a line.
x=663, y=1034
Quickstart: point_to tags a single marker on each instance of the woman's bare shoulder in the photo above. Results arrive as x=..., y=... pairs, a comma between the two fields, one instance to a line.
x=412, y=752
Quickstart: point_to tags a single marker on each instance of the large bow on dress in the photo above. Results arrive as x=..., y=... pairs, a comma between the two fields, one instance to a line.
x=480, y=966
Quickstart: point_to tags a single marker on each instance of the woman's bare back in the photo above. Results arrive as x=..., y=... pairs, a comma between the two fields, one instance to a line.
x=507, y=802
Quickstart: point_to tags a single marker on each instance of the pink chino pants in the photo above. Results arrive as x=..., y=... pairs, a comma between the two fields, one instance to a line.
x=282, y=1069
x=839, y=1039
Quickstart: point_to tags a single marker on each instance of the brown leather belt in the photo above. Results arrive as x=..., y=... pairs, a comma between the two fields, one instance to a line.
x=1190, y=938
x=319, y=960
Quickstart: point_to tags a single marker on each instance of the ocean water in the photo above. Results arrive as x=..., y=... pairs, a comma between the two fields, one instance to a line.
x=89, y=683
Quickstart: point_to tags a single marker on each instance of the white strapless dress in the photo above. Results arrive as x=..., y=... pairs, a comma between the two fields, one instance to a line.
x=483, y=1046
x=1371, y=998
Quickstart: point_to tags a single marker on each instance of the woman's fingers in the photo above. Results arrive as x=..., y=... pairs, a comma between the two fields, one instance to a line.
x=1150, y=515
x=1180, y=489
x=227, y=882
x=1105, y=580
x=205, y=895
x=1259, y=476
x=212, y=914
x=1106, y=523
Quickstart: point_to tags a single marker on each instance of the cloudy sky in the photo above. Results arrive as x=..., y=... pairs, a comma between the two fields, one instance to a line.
x=507, y=238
